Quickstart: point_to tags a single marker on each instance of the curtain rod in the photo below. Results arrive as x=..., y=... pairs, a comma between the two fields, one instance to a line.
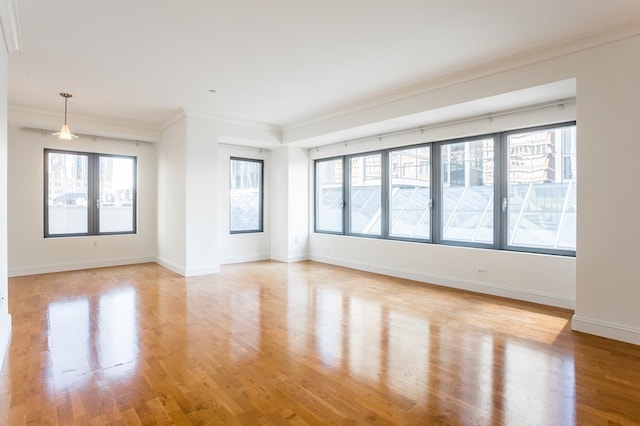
x=560, y=103
x=47, y=132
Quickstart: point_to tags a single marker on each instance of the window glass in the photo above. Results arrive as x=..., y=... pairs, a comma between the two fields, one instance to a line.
x=410, y=194
x=365, y=194
x=513, y=190
x=541, y=205
x=67, y=193
x=467, y=170
x=329, y=195
x=89, y=194
x=245, y=195
x=117, y=189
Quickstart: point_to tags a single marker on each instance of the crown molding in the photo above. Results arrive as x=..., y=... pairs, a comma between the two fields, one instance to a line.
x=545, y=53
x=89, y=125
x=11, y=25
x=95, y=119
x=256, y=125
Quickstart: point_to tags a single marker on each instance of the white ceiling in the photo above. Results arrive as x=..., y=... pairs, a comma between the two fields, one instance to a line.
x=274, y=62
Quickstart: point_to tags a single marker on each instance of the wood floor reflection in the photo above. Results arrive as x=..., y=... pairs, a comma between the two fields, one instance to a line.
x=303, y=343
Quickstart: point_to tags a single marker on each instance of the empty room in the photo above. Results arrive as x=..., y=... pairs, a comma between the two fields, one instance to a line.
x=410, y=212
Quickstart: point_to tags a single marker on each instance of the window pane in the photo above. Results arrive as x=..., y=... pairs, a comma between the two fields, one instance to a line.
x=541, y=209
x=467, y=191
x=410, y=197
x=117, y=189
x=366, y=194
x=245, y=196
x=67, y=193
x=330, y=197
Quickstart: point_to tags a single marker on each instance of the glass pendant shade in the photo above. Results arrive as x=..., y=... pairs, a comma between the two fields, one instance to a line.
x=65, y=132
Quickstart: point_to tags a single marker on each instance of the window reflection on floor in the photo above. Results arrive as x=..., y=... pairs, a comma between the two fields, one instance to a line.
x=85, y=336
x=408, y=352
x=68, y=343
x=117, y=348
x=245, y=323
x=364, y=339
x=328, y=326
x=527, y=391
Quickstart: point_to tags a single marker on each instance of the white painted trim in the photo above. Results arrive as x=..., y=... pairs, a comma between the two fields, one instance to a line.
x=124, y=129
x=236, y=121
x=10, y=21
x=244, y=259
x=606, y=329
x=291, y=259
x=452, y=282
x=249, y=124
x=171, y=266
x=187, y=272
x=5, y=339
x=207, y=270
x=62, y=267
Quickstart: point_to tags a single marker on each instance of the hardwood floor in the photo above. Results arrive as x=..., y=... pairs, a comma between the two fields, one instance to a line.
x=304, y=343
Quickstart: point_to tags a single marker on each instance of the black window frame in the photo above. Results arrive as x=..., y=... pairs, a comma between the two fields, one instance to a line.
x=500, y=191
x=261, y=197
x=93, y=191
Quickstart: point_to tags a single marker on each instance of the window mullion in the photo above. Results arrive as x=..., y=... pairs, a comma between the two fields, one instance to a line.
x=384, y=194
x=346, y=166
x=436, y=192
x=500, y=176
x=93, y=193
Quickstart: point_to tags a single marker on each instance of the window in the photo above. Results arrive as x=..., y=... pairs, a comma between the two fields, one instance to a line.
x=89, y=194
x=467, y=191
x=365, y=194
x=410, y=193
x=329, y=195
x=245, y=195
x=514, y=190
x=541, y=196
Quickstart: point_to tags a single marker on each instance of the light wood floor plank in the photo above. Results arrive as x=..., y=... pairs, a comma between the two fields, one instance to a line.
x=269, y=343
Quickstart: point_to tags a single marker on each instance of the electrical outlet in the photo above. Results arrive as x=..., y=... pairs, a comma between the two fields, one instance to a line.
x=482, y=271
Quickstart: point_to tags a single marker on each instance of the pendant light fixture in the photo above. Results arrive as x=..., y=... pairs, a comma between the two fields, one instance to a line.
x=65, y=132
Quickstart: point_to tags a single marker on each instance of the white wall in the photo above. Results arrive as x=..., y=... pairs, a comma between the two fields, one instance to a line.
x=30, y=252
x=299, y=204
x=171, y=184
x=290, y=204
x=188, y=196
x=608, y=277
x=201, y=221
x=236, y=248
x=5, y=318
x=603, y=279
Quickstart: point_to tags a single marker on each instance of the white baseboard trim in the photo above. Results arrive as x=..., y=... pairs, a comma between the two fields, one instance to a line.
x=5, y=339
x=461, y=284
x=244, y=259
x=290, y=259
x=606, y=329
x=62, y=267
x=208, y=270
x=171, y=266
x=187, y=272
